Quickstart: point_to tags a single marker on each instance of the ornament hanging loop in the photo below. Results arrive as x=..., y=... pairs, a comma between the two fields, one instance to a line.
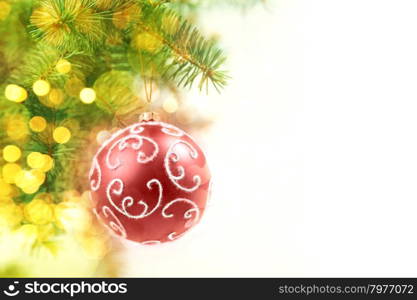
x=149, y=116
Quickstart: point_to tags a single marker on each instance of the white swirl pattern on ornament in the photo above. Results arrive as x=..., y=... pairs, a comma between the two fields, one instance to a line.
x=173, y=236
x=116, y=226
x=151, y=242
x=123, y=144
x=129, y=201
x=171, y=156
x=188, y=214
x=172, y=131
x=136, y=128
x=95, y=183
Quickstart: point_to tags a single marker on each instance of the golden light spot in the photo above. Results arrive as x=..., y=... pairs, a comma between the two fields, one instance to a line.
x=103, y=136
x=38, y=212
x=41, y=87
x=146, y=41
x=36, y=160
x=15, y=93
x=29, y=181
x=49, y=163
x=56, y=97
x=9, y=172
x=87, y=95
x=37, y=124
x=17, y=128
x=11, y=153
x=39, y=176
x=30, y=189
x=10, y=215
x=63, y=66
x=61, y=135
x=170, y=105
x=5, y=188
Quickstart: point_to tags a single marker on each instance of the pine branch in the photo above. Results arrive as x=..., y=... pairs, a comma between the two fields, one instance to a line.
x=186, y=55
x=40, y=62
x=68, y=24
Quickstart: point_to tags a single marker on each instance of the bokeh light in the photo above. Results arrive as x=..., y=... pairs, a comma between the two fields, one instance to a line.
x=63, y=66
x=37, y=124
x=41, y=87
x=87, y=95
x=11, y=153
x=61, y=135
x=15, y=93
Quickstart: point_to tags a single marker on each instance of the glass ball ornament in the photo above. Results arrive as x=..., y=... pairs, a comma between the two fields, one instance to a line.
x=150, y=182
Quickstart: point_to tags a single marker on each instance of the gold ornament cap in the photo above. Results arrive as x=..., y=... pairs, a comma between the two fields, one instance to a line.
x=149, y=116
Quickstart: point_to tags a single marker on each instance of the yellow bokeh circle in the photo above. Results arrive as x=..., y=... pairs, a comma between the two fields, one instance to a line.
x=11, y=153
x=36, y=160
x=61, y=135
x=87, y=95
x=9, y=172
x=170, y=105
x=37, y=124
x=39, y=212
x=49, y=163
x=10, y=215
x=63, y=66
x=41, y=87
x=15, y=93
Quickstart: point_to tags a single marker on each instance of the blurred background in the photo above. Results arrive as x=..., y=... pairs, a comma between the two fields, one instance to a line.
x=313, y=147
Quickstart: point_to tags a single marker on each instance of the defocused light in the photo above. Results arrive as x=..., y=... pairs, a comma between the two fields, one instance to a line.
x=37, y=124
x=29, y=181
x=49, y=163
x=87, y=95
x=9, y=172
x=170, y=105
x=41, y=87
x=30, y=189
x=103, y=136
x=10, y=215
x=39, y=176
x=56, y=96
x=5, y=188
x=11, y=153
x=36, y=160
x=39, y=212
x=15, y=93
x=61, y=135
x=63, y=66
x=17, y=128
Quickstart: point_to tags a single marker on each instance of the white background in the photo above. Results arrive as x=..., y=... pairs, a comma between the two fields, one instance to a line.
x=313, y=149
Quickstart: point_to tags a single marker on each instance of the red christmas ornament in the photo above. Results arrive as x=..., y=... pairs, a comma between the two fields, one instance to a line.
x=150, y=182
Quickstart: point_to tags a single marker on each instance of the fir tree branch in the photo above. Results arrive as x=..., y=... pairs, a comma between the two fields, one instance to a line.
x=193, y=56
